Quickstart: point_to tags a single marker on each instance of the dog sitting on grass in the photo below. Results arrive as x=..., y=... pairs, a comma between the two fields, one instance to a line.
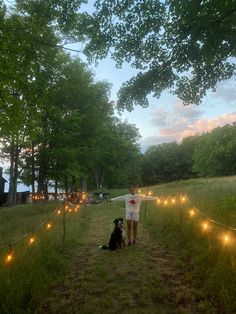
x=117, y=239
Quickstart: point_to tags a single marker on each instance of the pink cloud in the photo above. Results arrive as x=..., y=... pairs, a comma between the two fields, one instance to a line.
x=176, y=128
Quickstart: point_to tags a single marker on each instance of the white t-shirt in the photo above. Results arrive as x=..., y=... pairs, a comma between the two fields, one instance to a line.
x=133, y=202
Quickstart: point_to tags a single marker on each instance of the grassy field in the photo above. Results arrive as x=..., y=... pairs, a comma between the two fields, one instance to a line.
x=176, y=266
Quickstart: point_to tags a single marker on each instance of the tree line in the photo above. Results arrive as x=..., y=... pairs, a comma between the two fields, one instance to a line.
x=206, y=155
x=57, y=124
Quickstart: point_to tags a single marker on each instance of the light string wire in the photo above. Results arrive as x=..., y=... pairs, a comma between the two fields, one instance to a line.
x=66, y=206
x=28, y=233
x=213, y=221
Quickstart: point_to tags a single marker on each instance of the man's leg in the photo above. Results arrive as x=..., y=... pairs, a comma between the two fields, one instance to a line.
x=135, y=230
x=129, y=231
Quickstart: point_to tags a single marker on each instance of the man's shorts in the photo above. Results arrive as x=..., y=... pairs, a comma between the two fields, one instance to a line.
x=134, y=216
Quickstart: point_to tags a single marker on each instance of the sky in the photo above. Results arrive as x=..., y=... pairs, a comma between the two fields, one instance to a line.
x=167, y=119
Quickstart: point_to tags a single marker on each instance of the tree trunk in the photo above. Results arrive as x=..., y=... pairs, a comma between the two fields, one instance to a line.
x=56, y=189
x=10, y=191
x=83, y=185
x=73, y=184
x=14, y=173
x=99, y=179
x=96, y=177
x=66, y=185
x=33, y=169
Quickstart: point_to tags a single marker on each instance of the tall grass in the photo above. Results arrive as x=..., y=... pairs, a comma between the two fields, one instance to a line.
x=35, y=267
x=207, y=261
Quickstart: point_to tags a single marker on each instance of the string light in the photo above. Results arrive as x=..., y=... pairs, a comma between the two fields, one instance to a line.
x=9, y=257
x=226, y=238
x=48, y=226
x=31, y=240
x=205, y=226
x=191, y=212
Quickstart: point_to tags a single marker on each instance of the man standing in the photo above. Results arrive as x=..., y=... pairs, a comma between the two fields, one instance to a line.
x=132, y=208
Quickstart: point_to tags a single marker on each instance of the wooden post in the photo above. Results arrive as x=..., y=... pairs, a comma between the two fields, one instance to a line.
x=181, y=213
x=64, y=223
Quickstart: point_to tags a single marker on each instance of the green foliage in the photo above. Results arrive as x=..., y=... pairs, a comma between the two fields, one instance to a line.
x=206, y=262
x=171, y=267
x=45, y=263
x=184, y=46
x=214, y=153
x=210, y=154
x=56, y=122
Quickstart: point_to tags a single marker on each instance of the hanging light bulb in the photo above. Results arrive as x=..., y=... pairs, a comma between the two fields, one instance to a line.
x=205, y=226
x=192, y=212
x=9, y=257
x=31, y=240
x=49, y=226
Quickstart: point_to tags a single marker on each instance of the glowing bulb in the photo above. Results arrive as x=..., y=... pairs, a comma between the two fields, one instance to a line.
x=192, y=212
x=49, y=225
x=58, y=212
x=70, y=210
x=205, y=226
x=173, y=201
x=66, y=207
x=226, y=238
x=165, y=202
x=183, y=199
x=139, y=191
x=9, y=257
x=158, y=201
x=149, y=193
x=31, y=240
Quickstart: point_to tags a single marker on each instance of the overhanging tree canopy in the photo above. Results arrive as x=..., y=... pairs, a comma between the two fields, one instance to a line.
x=186, y=46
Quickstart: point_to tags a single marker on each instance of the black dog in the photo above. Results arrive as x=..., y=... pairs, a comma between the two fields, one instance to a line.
x=117, y=239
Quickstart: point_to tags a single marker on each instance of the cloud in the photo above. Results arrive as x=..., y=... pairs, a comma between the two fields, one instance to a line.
x=226, y=92
x=182, y=121
x=177, y=116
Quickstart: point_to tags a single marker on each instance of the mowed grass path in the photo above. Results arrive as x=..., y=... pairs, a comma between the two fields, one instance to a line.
x=144, y=278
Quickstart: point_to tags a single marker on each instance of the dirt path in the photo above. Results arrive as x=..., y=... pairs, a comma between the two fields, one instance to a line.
x=140, y=279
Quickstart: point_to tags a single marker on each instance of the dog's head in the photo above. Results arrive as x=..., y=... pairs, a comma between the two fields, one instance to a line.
x=119, y=222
